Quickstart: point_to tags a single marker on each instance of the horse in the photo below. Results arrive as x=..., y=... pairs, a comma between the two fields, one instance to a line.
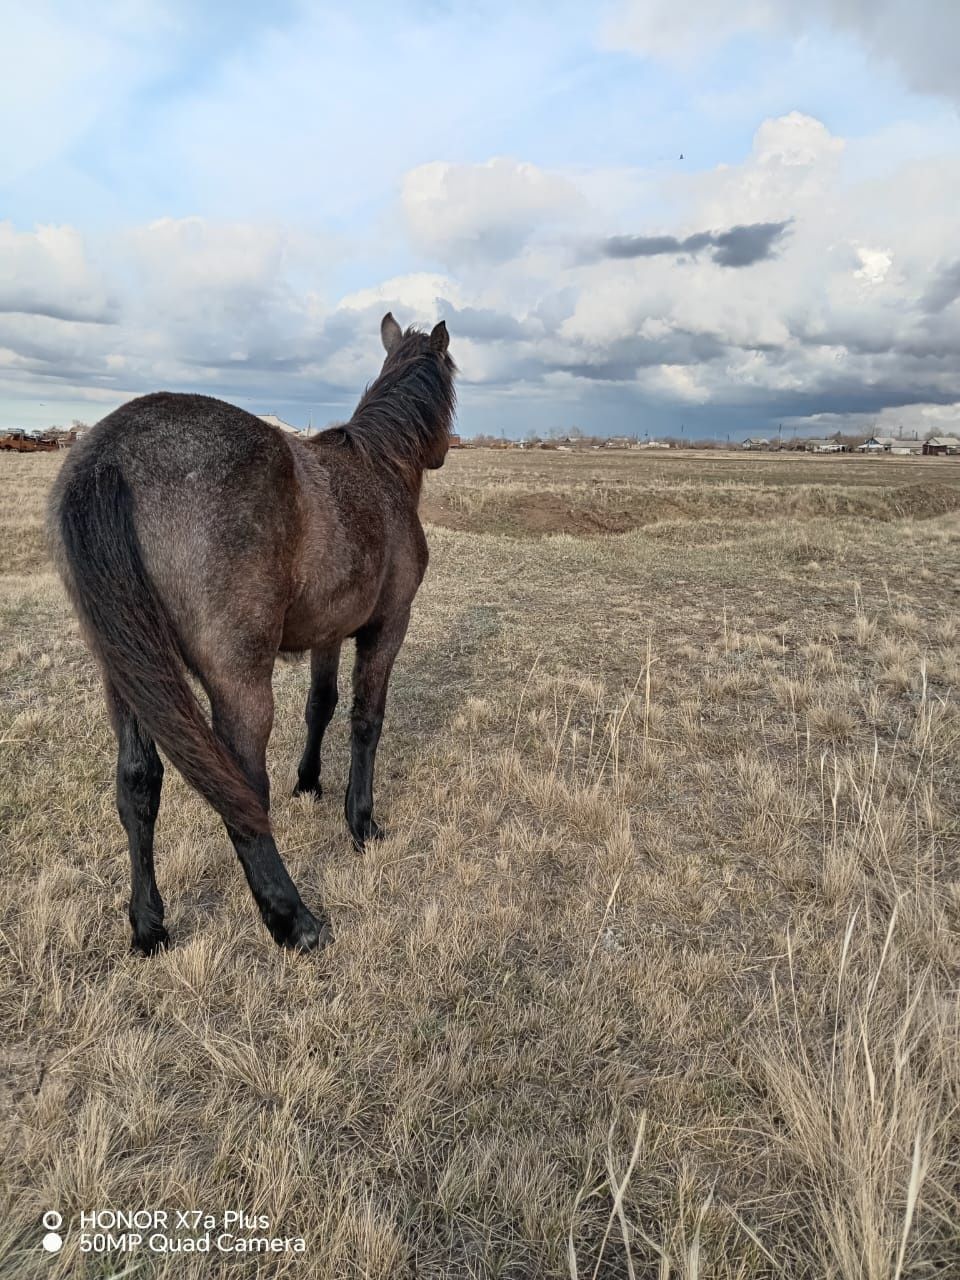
x=194, y=538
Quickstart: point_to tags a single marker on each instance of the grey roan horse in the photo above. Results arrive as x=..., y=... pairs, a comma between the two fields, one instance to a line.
x=193, y=537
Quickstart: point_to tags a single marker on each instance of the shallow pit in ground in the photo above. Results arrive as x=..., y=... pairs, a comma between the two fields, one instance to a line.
x=530, y=514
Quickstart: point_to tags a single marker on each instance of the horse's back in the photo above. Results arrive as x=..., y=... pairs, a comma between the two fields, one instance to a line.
x=166, y=434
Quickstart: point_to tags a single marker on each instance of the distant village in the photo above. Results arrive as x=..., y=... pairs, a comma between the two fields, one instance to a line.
x=575, y=440
x=877, y=444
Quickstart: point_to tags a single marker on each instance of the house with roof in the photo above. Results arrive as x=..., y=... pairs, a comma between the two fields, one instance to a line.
x=823, y=446
x=892, y=444
x=756, y=442
x=939, y=446
x=907, y=447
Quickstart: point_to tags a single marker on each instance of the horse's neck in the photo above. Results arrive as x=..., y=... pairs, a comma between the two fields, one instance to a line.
x=407, y=484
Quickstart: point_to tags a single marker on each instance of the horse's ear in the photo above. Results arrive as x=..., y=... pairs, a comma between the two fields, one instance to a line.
x=390, y=332
x=440, y=339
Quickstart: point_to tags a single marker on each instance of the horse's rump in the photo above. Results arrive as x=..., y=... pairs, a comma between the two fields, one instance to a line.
x=131, y=632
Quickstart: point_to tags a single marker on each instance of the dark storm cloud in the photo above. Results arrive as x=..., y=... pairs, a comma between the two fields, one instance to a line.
x=44, y=349
x=741, y=246
x=942, y=291
x=861, y=344
x=479, y=323
x=256, y=362
x=17, y=304
x=623, y=359
x=852, y=398
x=602, y=371
x=929, y=340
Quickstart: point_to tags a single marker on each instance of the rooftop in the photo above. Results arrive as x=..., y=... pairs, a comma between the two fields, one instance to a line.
x=272, y=420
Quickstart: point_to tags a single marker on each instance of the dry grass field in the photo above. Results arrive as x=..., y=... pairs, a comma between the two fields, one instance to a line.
x=656, y=974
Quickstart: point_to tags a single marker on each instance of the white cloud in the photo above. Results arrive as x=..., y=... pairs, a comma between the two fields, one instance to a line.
x=921, y=38
x=677, y=382
x=194, y=303
x=416, y=294
x=47, y=272
x=835, y=313
x=679, y=33
x=794, y=140
x=216, y=291
x=874, y=264
x=853, y=306
x=471, y=213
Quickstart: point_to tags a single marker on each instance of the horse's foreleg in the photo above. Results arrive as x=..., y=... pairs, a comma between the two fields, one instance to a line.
x=321, y=704
x=377, y=647
x=139, y=779
x=242, y=718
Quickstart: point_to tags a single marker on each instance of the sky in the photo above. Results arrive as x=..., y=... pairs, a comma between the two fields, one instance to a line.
x=637, y=217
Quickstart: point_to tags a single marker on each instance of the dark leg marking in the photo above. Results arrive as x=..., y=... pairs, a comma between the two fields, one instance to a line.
x=243, y=719
x=139, y=779
x=321, y=704
x=377, y=647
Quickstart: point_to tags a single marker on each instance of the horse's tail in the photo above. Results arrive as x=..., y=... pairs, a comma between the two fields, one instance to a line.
x=132, y=634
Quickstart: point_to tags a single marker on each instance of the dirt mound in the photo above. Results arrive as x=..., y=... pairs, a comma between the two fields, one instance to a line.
x=546, y=513
x=535, y=515
x=923, y=501
x=594, y=514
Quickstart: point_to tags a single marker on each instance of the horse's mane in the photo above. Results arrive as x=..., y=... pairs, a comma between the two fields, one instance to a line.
x=405, y=413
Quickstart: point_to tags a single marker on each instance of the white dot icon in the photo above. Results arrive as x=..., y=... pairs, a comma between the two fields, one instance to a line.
x=52, y=1242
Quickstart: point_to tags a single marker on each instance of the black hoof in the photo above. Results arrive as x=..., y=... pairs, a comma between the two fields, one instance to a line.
x=302, y=931
x=314, y=938
x=148, y=942
x=368, y=830
x=313, y=789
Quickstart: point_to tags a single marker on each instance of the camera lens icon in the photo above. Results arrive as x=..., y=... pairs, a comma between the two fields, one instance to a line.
x=52, y=1241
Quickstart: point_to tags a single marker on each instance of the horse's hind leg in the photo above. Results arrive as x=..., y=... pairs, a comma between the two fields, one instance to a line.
x=377, y=647
x=242, y=718
x=139, y=779
x=321, y=704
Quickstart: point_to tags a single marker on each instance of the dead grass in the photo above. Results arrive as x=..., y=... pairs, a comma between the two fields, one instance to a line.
x=655, y=974
x=595, y=493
